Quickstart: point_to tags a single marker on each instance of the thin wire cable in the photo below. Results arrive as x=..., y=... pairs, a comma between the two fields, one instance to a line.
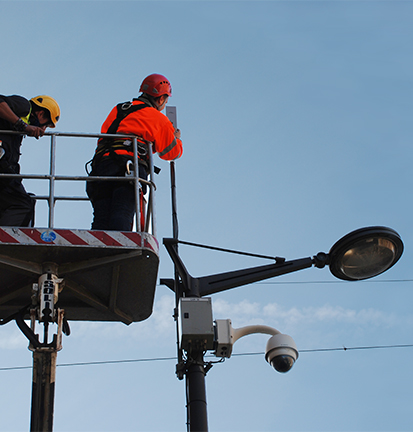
x=334, y=282
x=105, y=362
x=229, y=250
x=327, y=282
x=343, y=348
x=94, y=363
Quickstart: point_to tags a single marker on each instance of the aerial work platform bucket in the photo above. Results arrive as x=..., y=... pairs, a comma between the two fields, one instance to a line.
x=107, y=275
x=56, y=275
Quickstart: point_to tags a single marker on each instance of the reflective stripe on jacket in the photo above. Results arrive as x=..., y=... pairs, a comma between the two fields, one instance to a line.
x=151, y=125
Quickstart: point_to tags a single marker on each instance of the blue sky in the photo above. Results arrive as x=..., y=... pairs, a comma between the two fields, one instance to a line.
x=296, y=123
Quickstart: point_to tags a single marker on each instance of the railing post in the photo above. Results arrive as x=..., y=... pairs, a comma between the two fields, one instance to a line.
x=152, y=191
x=51, y=198
x=136, y=185
x=52, y=180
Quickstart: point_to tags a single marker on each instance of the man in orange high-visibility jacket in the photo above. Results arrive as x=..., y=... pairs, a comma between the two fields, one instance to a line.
x=114, y=202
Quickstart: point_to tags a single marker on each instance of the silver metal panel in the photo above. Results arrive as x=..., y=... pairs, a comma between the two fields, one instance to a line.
x=196, y=326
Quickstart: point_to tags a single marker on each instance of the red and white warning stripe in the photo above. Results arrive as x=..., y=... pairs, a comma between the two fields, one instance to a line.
x=69, y=237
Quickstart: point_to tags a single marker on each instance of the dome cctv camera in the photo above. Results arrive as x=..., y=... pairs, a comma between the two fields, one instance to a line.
x=281, y=352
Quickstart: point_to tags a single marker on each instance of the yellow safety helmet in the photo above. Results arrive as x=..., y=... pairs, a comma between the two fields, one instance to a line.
x=50, y=104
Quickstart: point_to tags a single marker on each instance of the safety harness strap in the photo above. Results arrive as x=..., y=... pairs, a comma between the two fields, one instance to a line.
x=124, y=109
x=106, y=145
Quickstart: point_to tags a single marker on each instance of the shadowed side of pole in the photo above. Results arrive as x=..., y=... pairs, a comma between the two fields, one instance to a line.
x=196, y=394
x=43, y=389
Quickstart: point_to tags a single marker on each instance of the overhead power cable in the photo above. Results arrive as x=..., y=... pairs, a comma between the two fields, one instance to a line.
x=327, y=282
x=94, y=363
x=333, y=282
x=106, y=362
x=343, y=348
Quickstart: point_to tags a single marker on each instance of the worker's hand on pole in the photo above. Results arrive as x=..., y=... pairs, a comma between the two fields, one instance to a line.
x=178, y=133
x=35, y=131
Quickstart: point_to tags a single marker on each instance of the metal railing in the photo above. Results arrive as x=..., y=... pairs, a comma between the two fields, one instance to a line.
x=52, y=178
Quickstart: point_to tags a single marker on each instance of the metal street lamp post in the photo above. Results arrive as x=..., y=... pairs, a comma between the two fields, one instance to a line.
x=361, y=254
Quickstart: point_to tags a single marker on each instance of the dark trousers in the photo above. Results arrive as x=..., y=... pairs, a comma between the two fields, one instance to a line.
x=115, y=208
x=113, y=202
x=16, y=205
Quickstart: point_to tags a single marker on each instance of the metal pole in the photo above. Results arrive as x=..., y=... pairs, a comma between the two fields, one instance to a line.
x=177, y=287
x=194, y=368
x=175, y=229
x=196, y=394
x=43, y=390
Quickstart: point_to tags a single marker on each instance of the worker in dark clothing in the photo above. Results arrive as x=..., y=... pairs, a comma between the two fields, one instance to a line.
x=114, y=202
x=30, y=118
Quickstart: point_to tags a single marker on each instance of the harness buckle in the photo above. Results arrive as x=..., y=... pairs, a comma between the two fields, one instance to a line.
x=125, y=106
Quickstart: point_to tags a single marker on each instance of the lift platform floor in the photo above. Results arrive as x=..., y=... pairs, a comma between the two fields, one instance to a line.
x=107, y=275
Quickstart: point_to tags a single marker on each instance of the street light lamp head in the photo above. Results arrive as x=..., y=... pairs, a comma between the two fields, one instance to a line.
x=281, y=352
x=365, y=253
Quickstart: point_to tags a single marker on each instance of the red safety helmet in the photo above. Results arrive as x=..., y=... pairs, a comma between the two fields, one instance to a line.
x=156, y=85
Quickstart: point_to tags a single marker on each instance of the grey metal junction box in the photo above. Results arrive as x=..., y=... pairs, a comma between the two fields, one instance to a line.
x=196, y=328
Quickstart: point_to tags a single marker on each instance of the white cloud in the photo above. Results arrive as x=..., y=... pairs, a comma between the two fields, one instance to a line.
x=11, y=338
x=245, y=312
x=161, y=325
x=240, y=311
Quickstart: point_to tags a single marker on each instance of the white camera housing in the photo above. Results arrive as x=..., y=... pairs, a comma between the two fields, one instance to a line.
x=281, y=352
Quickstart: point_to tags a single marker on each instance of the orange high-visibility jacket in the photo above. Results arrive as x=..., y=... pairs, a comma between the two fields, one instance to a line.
x=151, y=125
